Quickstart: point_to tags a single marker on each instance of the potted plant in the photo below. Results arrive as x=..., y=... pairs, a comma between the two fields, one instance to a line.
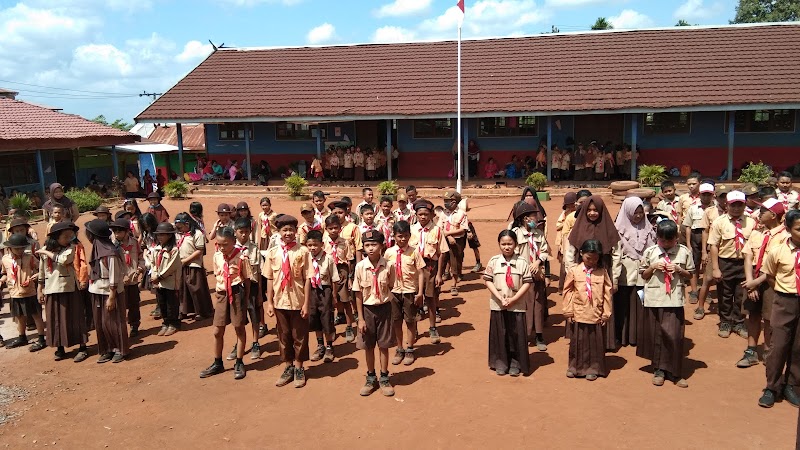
x=538, y=181
x=295, y=185
x=651, y=176
x=176, y=189
x=86, y=199
x=756, y=173
x=388, y=189
x=20, y=203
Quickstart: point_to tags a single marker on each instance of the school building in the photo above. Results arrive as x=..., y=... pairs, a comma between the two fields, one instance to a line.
x=40, y=145
x=711, y=97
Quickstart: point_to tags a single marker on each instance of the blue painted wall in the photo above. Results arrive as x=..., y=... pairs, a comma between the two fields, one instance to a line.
x=264, y=141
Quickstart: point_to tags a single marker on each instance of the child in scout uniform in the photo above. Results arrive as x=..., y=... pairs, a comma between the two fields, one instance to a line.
x=266, y=224
x=255, y=305
x=709, y=216
x=508, y=278
x=165, y=266
x=156, y=208
x=404, y=211
x=243, y=212
x=690, y=198
x=367, y=223
x=533, y=249
x=285, y=269
x=786, y=195
x=321, y=212
x=782, y=267
x=752, y=201
x=372, y=286
x=408, y=288
x=224, y=212
x=665, y=267
x=232, y=272
x=384, y=220
x=456, y=225
x=321, y=288
x=670, y=202
x=310, y=222
x=587, y=306
x=351, y=235
x=20, y=273
x=563, y=228
x=102, y=213
x=195, y=297
x=727, y=239
x=133, y=259
x=760, y=295
x=56, y=215
x=340, y=252
x=107, y=293
x=196, y=213
x=135, y=214
x=428, y=238
x=64, y=310
x=368, y=199
x=351, y=216
x=692, y=226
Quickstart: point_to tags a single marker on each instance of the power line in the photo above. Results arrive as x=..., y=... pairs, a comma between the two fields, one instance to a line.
x=71, y=98
x=69, y=95
x=64, y=89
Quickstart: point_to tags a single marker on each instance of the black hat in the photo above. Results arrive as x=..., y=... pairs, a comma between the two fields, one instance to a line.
x=338, y=204
x=372, y=236
x=18, y=222
x=17, y=241
x=98, y=228
x=61, y=226
x=523, y=209
x=223, y=208
x=121, y=214
x=121, y=224
x=102, y=209
x=242, y=205
x=284, y=220
x=165, y=228
x=155, y=195
x=422, y=203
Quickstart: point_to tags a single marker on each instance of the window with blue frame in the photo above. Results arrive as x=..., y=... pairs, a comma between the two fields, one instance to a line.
x=17, y=170
x=233, y=132
x=508, y=126
x=762, y=121
x=433, y=128
x=298, y=131
x=667, y=123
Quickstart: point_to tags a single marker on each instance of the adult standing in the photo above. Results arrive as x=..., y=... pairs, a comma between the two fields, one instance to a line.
x=358, y=164
x=148, y=182
x=395, y=162
x=57, y=197
x=132, y=186
x=473, y=157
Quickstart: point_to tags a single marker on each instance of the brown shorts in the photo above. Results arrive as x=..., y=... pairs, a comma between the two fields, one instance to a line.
x=320, y=310
x=766, y=295
x=767, y=298
x=431, y=269
x=230, y=313
x=379, y=328
x=292, y=335
x=403, y=308
x=255, y=304
x=344, y=283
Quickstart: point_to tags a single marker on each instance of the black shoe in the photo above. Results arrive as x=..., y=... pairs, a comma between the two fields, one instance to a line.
x=238, y=371
x=340, y=320
x=213, y=369
x=262, y=331
x=105, y=357
x=2, y=342
x=767, y=399
x=791, y=396
x=118, y=357
x=18, y=342
x=134, y=331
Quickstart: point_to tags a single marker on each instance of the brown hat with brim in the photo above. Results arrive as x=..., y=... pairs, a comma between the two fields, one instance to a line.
x=155, y=195
x=120, y=224
x=102, y=209
x=165, y=228
x=17, y=241
x=285, y=220
x=61, y=226
x=18, y=222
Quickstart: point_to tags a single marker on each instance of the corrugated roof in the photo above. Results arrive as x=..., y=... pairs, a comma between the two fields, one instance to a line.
x=682, y=67
x=25, y=126
x=194, y=136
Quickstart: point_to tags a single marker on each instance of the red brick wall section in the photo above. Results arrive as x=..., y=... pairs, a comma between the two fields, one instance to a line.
x=712, y=161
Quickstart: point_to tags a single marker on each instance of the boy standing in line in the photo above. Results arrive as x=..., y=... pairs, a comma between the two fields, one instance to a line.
x=693, y=230
x=430, y=241
x=323, y=277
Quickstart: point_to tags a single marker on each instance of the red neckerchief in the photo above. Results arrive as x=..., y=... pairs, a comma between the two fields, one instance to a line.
x=398, y=265
x=739, y=236
x=316, y=279
x=509, y=278
x=286, y=268
x=160, y=258
x=226, y=271
x=387, y=232
x=588, y=273
x=768, y=234
x=534, y=248
x=315, y=226
x=796, y=265
x=14, y=269
x=674, y=211
x=199, y=223
x=127, y=249
x=265, y=226
x=667, y=275
x=183, y=238
x=375, y=285
x=334, y=250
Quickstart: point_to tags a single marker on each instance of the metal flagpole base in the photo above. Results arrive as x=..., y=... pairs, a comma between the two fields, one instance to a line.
x=458, y=186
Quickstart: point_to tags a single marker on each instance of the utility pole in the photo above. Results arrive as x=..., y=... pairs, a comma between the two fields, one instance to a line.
x=150, y=94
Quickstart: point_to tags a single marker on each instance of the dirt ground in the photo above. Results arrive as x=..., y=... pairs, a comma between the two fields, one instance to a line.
x=447, y=399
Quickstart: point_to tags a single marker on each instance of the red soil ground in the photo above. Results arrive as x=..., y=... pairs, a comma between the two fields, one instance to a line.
x=447, y=399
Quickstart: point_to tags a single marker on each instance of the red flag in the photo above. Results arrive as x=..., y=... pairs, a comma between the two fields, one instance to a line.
x=461, y=6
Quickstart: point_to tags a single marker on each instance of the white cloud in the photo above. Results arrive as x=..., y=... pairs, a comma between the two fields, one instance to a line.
x=101, y=59
x=321, y=34
x=251, y=3
x=389, y=34
x=194, y=51
x=403, y=8
x=698, y=10
x=579, y=3
x=630, y=19
x=486, y=18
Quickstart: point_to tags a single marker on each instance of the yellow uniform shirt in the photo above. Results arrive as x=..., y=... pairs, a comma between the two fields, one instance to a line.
x=723, y=234
x=780, y=264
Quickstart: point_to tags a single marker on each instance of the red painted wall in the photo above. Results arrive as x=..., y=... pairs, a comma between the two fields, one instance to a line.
x=712, y=161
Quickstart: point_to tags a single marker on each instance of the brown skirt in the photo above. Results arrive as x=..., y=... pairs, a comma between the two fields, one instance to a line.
x=662, y=342
x=628, y=311
x=508, y=341
x=112, y=326
x=194, y=294
x=66, y=320
x=587, y=353
x=536, y=307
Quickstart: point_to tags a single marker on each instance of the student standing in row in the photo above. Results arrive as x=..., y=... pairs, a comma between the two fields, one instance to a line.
x=782, y=267
x=156, y=208
x=563, y=227
x=351, y=235
x=165, y=266
x=456, y=225
x=709, y=216
x=689, y=198
x=20, y=273
x=665, y=268
x=693, y=229
x=224, y=212
x=255, y=304
x=107, y=292
x=786, y=195
x=321, y=288
x=533, y=249
x=428, y=238
x=195, y=297
x=133, y=259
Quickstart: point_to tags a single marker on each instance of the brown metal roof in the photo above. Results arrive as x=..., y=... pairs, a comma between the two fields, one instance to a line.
x=24, y=126
x=623, y=71
x=194, y=136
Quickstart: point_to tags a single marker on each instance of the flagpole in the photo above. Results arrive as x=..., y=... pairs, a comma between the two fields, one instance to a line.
x=458, y=119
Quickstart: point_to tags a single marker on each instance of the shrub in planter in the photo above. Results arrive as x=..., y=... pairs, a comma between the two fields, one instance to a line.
x=20, y=202
x=176, y=189
x=85, y=199
x=388, y=188
x=537, y=181
x=652, y=175
x=756, y=173
x=295, y=185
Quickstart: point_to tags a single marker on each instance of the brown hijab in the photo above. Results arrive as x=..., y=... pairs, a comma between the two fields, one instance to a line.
x=603, y=229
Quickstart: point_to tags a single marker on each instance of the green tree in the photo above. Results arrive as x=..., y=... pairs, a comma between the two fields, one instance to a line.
x=554, y=29
x=602, y=24
x=118, y=124
x=683, y=23
x=758, y=11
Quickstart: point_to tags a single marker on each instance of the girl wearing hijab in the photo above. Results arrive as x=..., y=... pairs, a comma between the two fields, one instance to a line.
x=593, y=222
x=636, y=235
x=57, y=196
x=107, y=292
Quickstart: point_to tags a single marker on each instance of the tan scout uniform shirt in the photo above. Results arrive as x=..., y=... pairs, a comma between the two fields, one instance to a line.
x=779, y=264
x=411, y=263
x=723, y=233
x=576, y=300
x=777, y=236
x=624, y=270
x=495, y=272
x=327, y=269
x=190, y=243
x=132, y=250
x=169, y=268
x=18, y=272
x=434, y=240
x=253, y=255
x=293, y=295
x=655, y=289
x=62, y=276
x=238, y=269
x=364, y=281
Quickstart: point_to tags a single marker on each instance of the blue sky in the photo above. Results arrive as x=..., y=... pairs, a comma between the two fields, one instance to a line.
x=93, y=57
